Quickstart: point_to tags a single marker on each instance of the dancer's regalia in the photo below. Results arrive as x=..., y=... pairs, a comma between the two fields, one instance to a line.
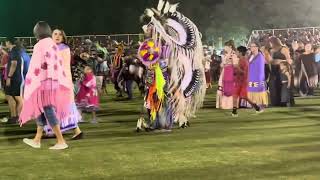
x=71, y=121
x=257, y=88
x=175, y=39
x=132, y=71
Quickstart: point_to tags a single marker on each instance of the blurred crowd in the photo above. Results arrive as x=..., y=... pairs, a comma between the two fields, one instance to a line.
x=288, y=36
x=303, y=45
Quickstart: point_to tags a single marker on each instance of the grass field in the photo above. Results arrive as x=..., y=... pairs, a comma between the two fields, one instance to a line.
x=278, y=144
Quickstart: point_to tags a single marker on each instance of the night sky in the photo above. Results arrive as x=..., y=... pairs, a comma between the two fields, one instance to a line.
x=214, y=18
x=79, y=17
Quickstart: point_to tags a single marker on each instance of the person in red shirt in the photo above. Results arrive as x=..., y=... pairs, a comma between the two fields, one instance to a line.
x=4, y=57
x=241, y=68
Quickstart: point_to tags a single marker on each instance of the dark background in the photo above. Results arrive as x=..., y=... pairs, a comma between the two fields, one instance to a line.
x=79, y=16
x=215, y=18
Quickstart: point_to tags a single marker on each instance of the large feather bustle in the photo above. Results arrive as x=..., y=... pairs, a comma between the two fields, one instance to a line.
x=182, y=108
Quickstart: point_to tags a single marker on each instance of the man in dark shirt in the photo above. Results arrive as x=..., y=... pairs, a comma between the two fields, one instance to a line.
x=13, y=86
x=215, y=66
x=77, y=71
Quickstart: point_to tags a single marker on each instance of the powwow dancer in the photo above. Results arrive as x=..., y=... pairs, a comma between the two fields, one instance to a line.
x=156, y=99
x=179, y=43
x=132, y=71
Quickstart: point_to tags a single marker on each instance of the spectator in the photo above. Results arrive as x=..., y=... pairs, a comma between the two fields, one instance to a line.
x=225, y=89
x=317, y=54
x=207, y=67
x=280, y=53
x=14, y=79
x=46, y=95
x=308, y=73
x=4, y=56
x=215, y=66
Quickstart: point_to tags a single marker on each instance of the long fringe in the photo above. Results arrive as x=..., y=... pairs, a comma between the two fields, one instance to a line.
x=58, y=97
x=260, y=98
x=182, y=108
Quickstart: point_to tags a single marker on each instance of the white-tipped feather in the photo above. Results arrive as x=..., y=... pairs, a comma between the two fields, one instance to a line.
x=156, y=12
x=149, y=12
x=145, y=28
x=182, y=108
x=173, y=8
x=160, y=5
x=166, y=8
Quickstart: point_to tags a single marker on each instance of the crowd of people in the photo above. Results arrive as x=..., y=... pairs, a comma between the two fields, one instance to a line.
x=268, y=73
x=288, y=36
x=32, y=89
x=65, y=78
x=304, y=47
x=300, y=47
x=60, y=81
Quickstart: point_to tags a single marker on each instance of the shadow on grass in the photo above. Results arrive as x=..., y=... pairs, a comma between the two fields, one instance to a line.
x=309, y=148
x=17, y=138
x=107, y=112
x=229, y=120
x=256, y=169
x=271, y=143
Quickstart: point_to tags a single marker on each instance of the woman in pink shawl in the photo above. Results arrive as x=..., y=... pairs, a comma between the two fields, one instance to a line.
x=59, y=37
x=47, y=89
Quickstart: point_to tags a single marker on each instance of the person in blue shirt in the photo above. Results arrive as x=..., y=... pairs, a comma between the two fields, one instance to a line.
x=26, y=61
x=14, y=81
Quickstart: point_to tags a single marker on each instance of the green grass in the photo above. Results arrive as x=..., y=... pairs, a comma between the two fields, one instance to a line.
x=281, y=143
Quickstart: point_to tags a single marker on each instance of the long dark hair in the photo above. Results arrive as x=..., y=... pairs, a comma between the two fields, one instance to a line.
x=276, y=42
x=42, y=30
x=14, y=41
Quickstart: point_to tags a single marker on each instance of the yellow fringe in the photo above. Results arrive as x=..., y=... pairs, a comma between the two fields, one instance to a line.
x=260, y=98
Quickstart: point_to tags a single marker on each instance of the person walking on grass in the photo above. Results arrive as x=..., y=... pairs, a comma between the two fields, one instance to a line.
x=240, y=65
x=14, y=79
x=47, y=89
x=87, y=99
x=71, y=123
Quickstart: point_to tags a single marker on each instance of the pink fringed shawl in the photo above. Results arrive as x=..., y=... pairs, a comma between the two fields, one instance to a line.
x=46, y=83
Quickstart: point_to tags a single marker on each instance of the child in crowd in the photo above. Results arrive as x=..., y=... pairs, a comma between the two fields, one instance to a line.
x=240, y=90
x=87, y=99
